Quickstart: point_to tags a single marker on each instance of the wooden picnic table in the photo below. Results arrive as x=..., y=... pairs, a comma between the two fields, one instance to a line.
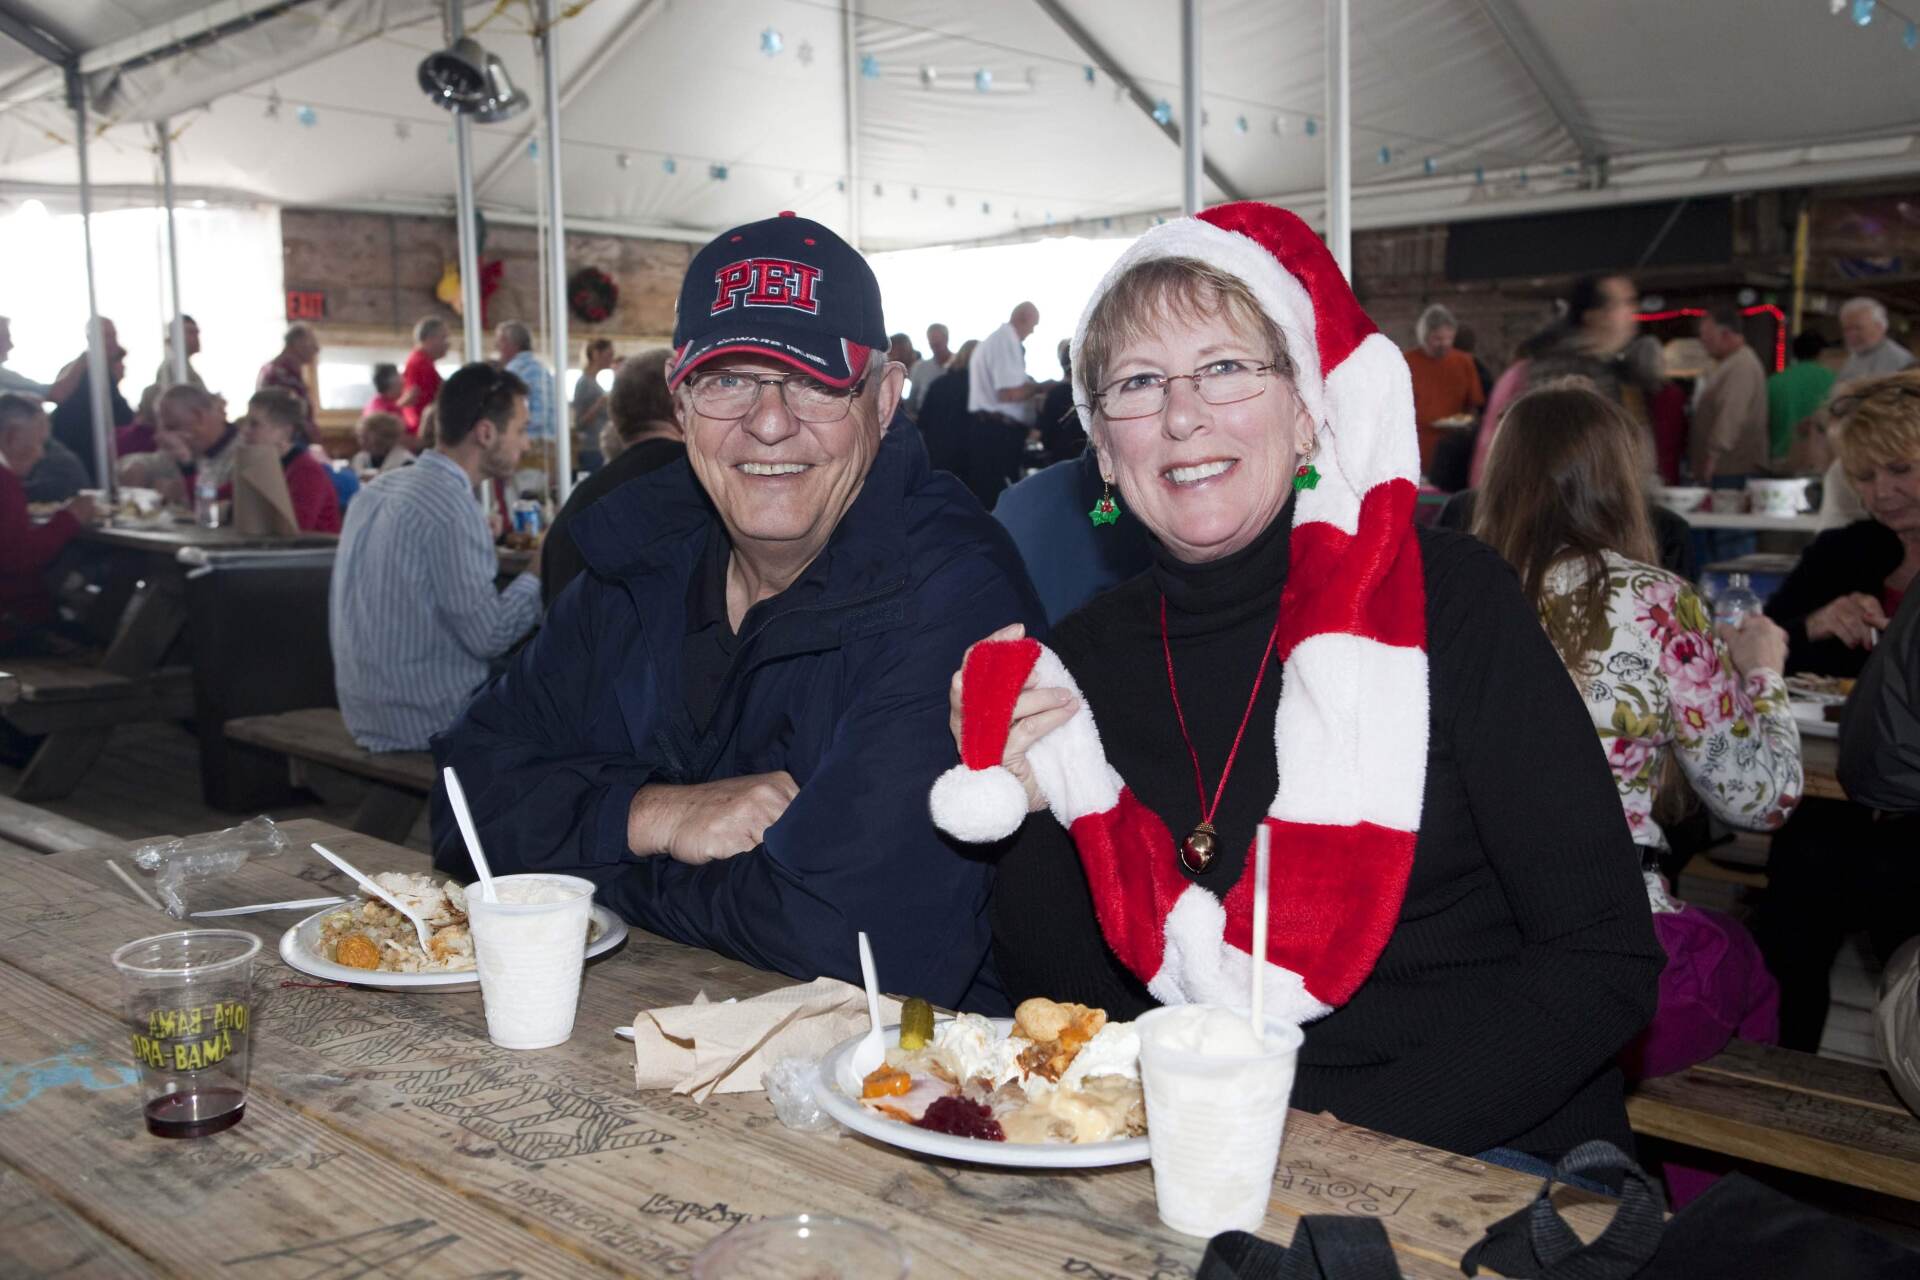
x=1820, y=761
x=142, y=611
x=386, y=1135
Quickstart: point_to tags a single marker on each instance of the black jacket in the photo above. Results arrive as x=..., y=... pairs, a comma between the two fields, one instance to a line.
x=1856, y=557
x=1880, y=737
x=841, y=681
x=1524, y=957
x=560, y=559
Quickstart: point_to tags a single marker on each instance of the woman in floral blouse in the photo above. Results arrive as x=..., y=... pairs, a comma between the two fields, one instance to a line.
x=1563, y=503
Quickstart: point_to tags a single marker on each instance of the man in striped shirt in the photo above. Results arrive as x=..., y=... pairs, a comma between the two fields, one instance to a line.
x=414, y=616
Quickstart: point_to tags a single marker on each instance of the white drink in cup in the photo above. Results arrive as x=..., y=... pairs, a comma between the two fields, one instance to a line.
x=529, y=947
x=1216, y=1108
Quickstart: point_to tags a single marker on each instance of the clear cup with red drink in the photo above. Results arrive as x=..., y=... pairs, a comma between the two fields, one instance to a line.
x=189, y=1003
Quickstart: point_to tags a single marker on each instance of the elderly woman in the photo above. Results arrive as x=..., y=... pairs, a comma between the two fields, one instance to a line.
x=1835, y=869
x=381, y=438
x=1457, y=910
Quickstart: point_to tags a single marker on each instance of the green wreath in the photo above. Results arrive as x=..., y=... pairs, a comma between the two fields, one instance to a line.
x=592, y=295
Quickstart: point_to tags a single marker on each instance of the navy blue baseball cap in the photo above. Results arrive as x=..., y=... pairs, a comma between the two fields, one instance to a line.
x=783, y=287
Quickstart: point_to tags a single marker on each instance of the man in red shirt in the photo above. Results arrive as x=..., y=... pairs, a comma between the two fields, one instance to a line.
x=1445, y=382
x=26, y=549
x=288, y=371
x=420, y=381
x=273, y=418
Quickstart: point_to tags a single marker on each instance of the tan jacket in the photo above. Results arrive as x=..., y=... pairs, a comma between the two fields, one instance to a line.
x=1730, y=418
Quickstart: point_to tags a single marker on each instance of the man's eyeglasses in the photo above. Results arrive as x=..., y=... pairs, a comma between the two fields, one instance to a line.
x=1844, y=405
x=1143, y=395
x=728, y=394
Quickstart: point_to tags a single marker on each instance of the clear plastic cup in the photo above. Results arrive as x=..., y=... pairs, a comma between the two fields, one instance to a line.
x=189, y=1001
x=529, y=948
x=1214, y=1121
x=812, y=1245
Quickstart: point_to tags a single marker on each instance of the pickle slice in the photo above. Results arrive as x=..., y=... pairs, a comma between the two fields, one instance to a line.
x=916, y=1024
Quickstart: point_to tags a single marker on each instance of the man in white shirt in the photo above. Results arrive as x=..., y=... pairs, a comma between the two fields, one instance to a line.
x=1863, y=326
x=1001, y=398
x=925, y=373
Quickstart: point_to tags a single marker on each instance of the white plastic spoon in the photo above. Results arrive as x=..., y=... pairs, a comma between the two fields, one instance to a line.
x=872, y=1049
x=419, y=925
x=464, y=816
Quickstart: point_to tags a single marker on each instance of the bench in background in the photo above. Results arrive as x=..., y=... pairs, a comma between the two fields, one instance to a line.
x=75, y=706
x=399, y=782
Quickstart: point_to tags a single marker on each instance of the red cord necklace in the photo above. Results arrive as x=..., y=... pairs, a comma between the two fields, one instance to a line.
x=1196, y=851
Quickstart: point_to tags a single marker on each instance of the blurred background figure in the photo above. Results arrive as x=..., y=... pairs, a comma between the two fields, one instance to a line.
x=923, y=375
x=1446, y=383
x=382, y=439
x=1594, y=325
x=163, y=376
x=589, y=397
x=1796, y=393
x=386, y=392
x=643, y=417
x=273, y=422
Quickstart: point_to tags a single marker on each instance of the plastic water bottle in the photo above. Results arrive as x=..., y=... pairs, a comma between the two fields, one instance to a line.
x=1736, y=602
x=206, y=502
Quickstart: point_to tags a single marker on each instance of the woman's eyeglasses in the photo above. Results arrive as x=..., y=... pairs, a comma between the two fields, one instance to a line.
x=1144, y=395
x=728, y=394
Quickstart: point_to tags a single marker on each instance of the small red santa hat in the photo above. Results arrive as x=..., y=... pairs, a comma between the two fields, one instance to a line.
x=1350, y=736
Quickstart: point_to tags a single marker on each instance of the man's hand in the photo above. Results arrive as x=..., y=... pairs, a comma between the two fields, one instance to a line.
x=83, y=509
x=709, y=820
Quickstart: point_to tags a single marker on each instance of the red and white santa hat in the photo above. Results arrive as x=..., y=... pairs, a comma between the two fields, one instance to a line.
x=1351, y=734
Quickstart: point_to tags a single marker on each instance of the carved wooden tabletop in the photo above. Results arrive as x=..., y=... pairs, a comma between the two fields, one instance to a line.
x=385, y=1135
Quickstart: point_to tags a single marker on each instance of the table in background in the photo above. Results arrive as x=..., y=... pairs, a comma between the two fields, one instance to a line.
x=386, y=1135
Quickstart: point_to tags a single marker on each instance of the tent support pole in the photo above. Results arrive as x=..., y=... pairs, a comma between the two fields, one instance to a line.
x=98, y=381
x=556, y=256
x=471, y=319
x=850, y=37
x=1191, y=112
x=1339, y=138
x=177, y=325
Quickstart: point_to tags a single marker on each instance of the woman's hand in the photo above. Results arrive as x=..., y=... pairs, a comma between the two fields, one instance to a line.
x=1757, y=644
x=1036, y=713
x=1852, y=620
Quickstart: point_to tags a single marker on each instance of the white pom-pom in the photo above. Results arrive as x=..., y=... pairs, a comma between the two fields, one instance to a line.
x=978, y=806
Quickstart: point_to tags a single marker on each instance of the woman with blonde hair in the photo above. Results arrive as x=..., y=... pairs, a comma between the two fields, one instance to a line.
x=1839, y=867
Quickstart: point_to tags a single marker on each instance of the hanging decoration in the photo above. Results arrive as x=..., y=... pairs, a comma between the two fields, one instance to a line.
x=273, y=104
x=1862, y=12
x=592, y=295
x=1386, y=155
x=1240, y=124
x=669, y=165
x=983, y=81
x=1163, y=113
x=307, y=117
x=869, y=67
x=402, y=130
x=805, y=53
x=718, y=172
x=1311, y=127
x=1087, y=73
x=623, y=160
x=927, y=76
x=1428, y=167
x=771, y=43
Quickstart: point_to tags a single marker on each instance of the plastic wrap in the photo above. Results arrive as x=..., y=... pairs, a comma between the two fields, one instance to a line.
x=179, y=865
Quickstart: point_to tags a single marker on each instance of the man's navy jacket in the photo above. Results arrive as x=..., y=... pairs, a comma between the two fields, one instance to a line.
x=841, y=681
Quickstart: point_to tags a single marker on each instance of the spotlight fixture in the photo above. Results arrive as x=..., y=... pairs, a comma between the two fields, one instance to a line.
x=467, y=80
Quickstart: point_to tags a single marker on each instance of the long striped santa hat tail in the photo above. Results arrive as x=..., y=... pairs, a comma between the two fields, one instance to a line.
x=1350, y=737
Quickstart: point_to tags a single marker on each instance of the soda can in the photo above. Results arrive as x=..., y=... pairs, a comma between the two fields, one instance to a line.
x=526, y=516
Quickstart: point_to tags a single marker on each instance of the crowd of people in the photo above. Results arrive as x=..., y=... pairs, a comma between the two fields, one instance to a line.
x=761, y=633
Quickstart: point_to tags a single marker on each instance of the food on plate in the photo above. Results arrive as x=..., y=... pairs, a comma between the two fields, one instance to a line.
x=1061, y=1074
x=371, y=935
x=1813, y=686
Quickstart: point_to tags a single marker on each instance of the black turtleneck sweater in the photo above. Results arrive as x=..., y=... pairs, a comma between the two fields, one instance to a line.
x=1524, y=957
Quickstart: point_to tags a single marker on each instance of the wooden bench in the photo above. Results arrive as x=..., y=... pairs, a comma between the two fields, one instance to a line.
x=399, y=781
x=76, y=706
x=1787, y=1110
x=30, y=827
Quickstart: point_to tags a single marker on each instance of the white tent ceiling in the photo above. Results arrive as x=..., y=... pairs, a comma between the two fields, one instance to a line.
x=1482, y=107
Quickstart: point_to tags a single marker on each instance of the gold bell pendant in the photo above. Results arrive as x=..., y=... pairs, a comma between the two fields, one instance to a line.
x=1196, y=851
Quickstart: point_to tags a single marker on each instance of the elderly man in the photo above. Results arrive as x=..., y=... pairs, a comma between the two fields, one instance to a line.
x=73, y=411
x=1445, y=382
x=513, y=344
x=288, y=371
x=419, y=379
x=196, y=438
x=1729, y=437
x=731, y=723
x=26, y=549
x=1870, y=352
x=413, y=613
x=923, y=375
x=1003, y=400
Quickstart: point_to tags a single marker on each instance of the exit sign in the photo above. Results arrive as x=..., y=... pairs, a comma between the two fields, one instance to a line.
x=306, y=304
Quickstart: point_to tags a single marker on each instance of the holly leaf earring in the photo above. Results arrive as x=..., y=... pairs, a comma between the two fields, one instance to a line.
x=1106, y=510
